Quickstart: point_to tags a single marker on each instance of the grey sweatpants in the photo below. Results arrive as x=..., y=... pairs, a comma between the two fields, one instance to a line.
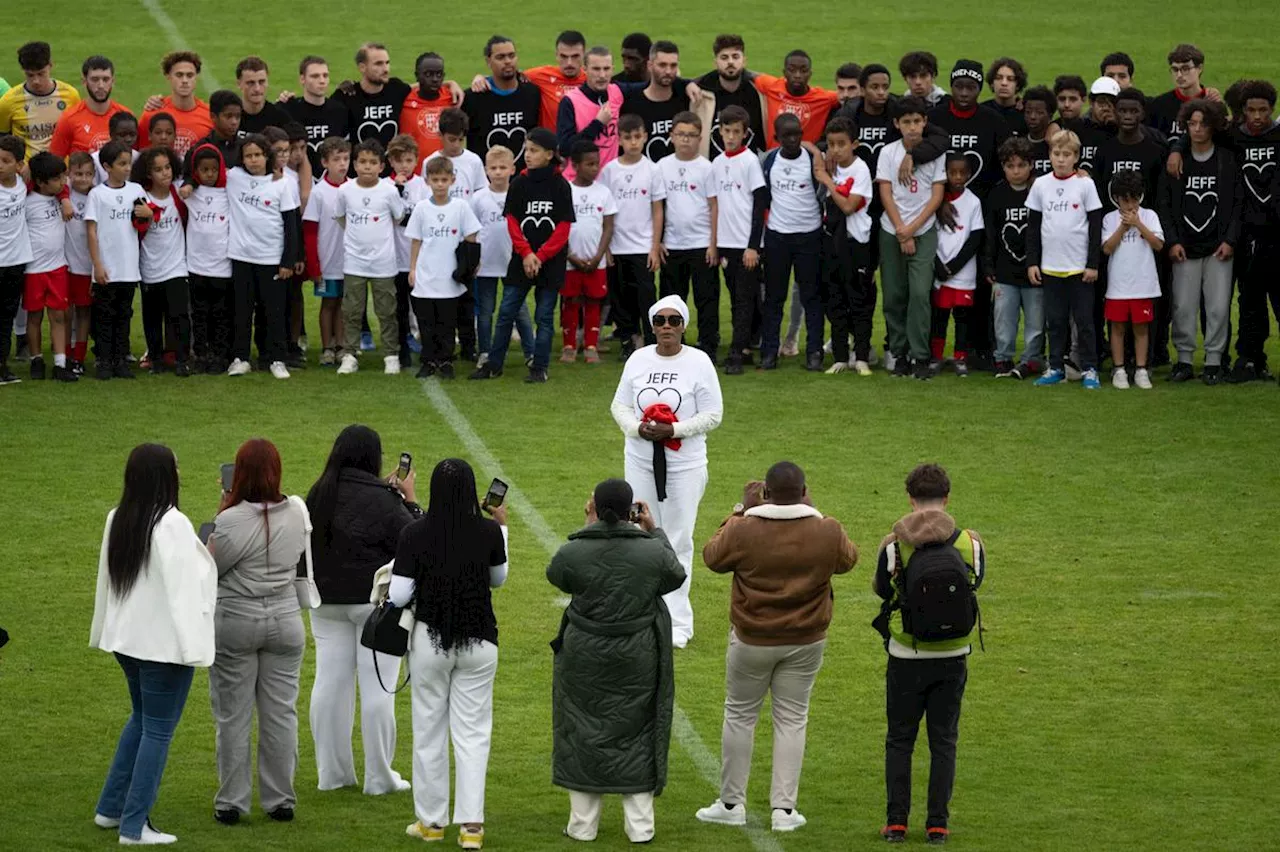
x=260, y=643
x=1209, y=278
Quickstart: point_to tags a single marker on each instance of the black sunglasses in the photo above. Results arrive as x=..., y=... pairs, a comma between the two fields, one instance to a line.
x=659, y=320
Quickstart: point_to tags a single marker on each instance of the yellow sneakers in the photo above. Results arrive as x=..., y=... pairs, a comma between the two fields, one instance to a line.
x=471, y=838
x=428, y=833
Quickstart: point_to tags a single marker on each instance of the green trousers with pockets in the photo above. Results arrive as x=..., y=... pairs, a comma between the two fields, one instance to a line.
x=907, y=283
x=384, y=307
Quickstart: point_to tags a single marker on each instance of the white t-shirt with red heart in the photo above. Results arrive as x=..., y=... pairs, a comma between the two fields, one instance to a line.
x=590, y=205
x=686, y=382
x=369, y=242
x=257, y=205
x=439, y=229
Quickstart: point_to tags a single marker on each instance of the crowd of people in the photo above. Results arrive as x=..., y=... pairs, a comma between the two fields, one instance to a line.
x=1106, y=232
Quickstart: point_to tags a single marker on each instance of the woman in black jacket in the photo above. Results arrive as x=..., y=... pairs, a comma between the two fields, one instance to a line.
x=357, y=518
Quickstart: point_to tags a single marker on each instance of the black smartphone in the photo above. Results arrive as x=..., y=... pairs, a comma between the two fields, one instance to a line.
x=206, y=530
x=406, y=464
x=228, y=476
x=634, y=515
x=497, y=493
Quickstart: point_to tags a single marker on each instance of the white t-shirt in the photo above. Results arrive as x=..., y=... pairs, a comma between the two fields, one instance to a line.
x=793, y=208
x=46, y=232
x=100, y=174
x=416, y=191
x=968, y=220
x=495, y=242
x=1131, y=271
x=738, y=177
x=15, y=245
x=112, y=209
x=914, y=197
x=686, y=382
x=468, y=174
x=258, y=204
x=76, y=241
x=322, y=208
x=208, y=232
x=440, y=229
x=590, y=205
x=371, y=213
x=164, y=245
x=1064, y=205
x=635, y=187
x=857, y=177
x=690, y=184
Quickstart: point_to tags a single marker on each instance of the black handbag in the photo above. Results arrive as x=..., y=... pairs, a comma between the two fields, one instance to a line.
x=382, y=634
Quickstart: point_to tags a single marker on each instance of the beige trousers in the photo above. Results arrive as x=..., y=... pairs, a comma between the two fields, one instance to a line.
x=584, y=816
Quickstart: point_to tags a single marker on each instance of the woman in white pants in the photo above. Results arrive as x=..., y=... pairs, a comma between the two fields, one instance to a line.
x=445, y=567
x=357, y=518
x=667, y=401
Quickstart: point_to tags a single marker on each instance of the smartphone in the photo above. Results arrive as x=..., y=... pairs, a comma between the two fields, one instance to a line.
x=634, y=516
x=406, y=464
x=228, y=476
x=206, y=530
x=497, y=493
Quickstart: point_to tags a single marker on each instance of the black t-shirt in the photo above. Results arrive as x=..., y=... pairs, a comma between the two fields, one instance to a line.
x=1259, y=159
x=502, y=119
x=1040, y=162
x=746, y=97
x=539, y=200
x=978, y=136
x=1146, y=157
x=874, y=132
x=657, y=117
x=328, y=119
x=375, y=116
x=1203, y=205
x=1162, y=113
x=1012, y=116
x=1092, y=135
x=1006, y=216
x=455, y=603
x=271, y=116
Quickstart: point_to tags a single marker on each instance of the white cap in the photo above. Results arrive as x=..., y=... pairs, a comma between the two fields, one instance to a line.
x=1105, y=86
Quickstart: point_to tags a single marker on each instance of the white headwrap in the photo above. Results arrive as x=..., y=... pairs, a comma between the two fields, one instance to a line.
x=670, y=302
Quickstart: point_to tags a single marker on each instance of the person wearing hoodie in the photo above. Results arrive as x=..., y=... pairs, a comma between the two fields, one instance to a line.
x=926, y=671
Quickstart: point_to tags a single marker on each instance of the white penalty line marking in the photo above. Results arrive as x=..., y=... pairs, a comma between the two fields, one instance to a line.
x=703, y=760
x=162, y=19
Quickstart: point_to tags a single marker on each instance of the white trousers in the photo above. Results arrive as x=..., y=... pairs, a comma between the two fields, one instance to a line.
x=584, y=816
x=452, y=699
x=676, y=516
x=341, y=661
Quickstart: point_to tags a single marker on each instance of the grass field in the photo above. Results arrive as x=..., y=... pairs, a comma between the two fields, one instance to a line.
x=1126, y=699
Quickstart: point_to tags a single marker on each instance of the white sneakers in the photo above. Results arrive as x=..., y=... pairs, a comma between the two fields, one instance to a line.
x=391, y=365
x=890, y=360
x=717, y=813
x=149, y=837
x=790, y=348
x=1142, y=378
x=239, y=368
x=105, y=821
x=350, y=365
x=862, y=368
x=279, y=370
x=783, y=821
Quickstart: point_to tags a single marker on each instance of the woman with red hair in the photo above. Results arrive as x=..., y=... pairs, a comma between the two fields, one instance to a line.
x=258, y=538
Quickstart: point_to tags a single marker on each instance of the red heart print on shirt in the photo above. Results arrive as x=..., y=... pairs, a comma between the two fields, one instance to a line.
x=266, y=202
x=693, y=186
x=375, y=218
x=454, y=231
x=600, y=209
x=644, y=192
x=1075, y=206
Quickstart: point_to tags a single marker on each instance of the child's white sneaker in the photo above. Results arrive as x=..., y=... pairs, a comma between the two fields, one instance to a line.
x=862, y=368
x=279, y=370
x=1142, y=378
x=349, y=365
x=391, y=365
x=1120, y=379
x=238, y=368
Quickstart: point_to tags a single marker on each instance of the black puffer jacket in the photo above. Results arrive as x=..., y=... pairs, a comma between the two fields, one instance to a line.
x=367, y=521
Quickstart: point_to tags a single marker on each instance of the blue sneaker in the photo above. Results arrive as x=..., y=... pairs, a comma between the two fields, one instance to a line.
x=1089, y=380
x=414, y=346
x=366, y=341
x=1056, y=377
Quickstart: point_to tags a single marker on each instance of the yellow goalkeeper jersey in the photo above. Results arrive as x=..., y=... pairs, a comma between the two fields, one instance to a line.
x=32, y=118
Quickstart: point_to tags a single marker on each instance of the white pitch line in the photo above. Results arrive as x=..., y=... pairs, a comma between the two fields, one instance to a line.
x=162, y=19
x=701, y=756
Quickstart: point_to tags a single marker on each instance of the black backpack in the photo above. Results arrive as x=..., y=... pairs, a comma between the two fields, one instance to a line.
x=936, y=595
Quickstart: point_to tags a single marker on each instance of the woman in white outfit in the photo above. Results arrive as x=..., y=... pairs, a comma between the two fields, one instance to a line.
x=446, y=565
x=357, y=518
x=667, y=401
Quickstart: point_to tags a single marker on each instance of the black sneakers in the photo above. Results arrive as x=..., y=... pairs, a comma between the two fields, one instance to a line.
x=121, y=371
x=894, y=833
x=427, y=370
x=1211, y=375
x=535, y=377
x=813, y=362
x=769, y=362
x=485, y=372
x=901, y=367
x=230, y=816
x=445, y=370
x=1181, y=372
x=64, y=374
x=922, y=371
x=936, y=836
x=284, y=813
x=733, y=366
x=1244, y=371
x=37, y=369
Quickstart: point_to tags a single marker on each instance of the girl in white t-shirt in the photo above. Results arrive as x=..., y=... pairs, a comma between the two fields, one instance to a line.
x=264, y=245
x=208, y=267
x=955, y=267
x=163, y=260
x=1131, y=237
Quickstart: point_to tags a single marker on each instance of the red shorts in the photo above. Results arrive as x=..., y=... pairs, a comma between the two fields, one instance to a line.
x=590, y=285
x=46, y=290
x=1135, y=311
x=948, y=297
x=79, y=290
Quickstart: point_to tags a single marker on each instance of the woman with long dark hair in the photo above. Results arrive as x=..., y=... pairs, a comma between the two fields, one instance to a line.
x=153, y=609
x=357, y=518
x=258, y=539
x=446, y=565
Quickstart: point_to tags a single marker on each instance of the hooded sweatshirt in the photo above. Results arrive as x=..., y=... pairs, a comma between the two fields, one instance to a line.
x=911, y=531
x=539, y=212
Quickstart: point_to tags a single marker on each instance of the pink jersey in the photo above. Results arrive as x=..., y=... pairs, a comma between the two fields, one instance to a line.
x=584, y=111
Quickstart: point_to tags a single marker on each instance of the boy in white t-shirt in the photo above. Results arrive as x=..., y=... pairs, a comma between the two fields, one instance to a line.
x=46, y=272
x=81, y=173
x=15, y=246
x=444, y=254
x=322, y=237
x=585, y=282
x=639, y=192
x=495, y=252
x=908, y=240
x=1132, y=236
x=741, y=199
x=1064, y=242
x=849, y=292
x=956, y=267
x=402, y=156
x=689, y=242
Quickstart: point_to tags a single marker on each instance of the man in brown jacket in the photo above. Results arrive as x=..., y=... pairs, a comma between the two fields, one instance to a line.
x=782, y=553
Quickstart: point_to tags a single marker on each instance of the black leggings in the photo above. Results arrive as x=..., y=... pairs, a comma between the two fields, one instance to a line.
x=12, y=282
x=166, y=301
x=255, y=286
x=211, y=317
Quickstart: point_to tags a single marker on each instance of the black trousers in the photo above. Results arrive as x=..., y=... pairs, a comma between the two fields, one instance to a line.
x=783, y=253
x=402, y=317
x=1257, y=254
x=746, y=294
x=1066, y=299
x=112, y=312
x=632, y=297
x=932, y=689
x=12, y=284
x=210, y=317
x=255, y=289
x=848, y=294
x=437, y=319
x=689, y=266
x=167, y=303
x=465, y=319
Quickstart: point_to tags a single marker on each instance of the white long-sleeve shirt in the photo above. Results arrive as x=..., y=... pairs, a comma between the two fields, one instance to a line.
x=688, y=384
x=402, y=588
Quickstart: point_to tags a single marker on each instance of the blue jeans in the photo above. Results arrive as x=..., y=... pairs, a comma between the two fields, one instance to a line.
x=486, y=304
x=158, y=692
x=1007, y=300
x=544, y=314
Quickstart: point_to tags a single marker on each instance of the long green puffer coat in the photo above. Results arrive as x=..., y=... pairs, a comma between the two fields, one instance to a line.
x=613, y=687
